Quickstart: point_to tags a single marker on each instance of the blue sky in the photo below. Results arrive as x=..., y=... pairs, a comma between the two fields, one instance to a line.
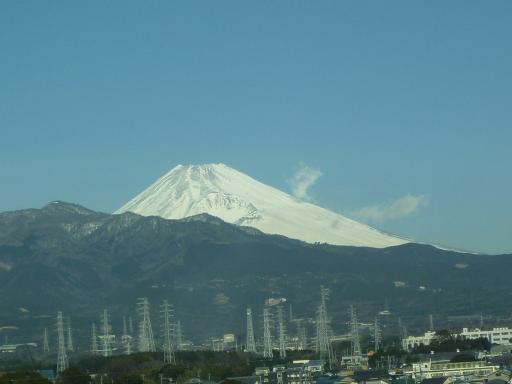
x=400, y=110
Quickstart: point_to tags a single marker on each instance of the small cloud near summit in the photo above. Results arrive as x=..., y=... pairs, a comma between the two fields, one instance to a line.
x=303, y=180
x=402, y=207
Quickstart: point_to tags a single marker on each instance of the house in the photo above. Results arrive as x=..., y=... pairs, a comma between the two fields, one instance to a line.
x=437, y=380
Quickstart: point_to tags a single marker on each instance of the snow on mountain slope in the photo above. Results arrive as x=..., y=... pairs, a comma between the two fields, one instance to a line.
x=236, y=198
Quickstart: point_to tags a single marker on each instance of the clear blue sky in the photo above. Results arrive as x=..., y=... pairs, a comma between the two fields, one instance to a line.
x=385, y=98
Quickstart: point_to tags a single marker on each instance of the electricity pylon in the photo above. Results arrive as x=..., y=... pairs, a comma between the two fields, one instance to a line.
x=167, y=315
x=71, y=348
x=62, y=358
x=323, y=340
x=130, y=325
x=46, y=346
x=178, y=336
x=354, y=332
x=281, y=332
x=146, y=340
x=106, y=346
x=377, y=334
x=250, y=342
x=267, y=335
x=94, y=339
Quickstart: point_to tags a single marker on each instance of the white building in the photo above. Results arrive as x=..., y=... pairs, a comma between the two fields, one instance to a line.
x=411, y=342
x=495, y=336
x=428, y=369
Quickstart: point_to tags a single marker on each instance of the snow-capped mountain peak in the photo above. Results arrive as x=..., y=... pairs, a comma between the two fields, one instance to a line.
x=221, y=191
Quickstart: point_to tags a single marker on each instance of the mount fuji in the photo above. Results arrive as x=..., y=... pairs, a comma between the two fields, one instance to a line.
x=236, y=198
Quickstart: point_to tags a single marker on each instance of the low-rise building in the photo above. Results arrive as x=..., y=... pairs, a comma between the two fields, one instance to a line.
x=411, y=342
x=428, y=369
x=501, y=335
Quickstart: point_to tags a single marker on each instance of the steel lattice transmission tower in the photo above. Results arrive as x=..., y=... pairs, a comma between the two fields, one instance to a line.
x=62, y=358
x=323, y=341
x=125, y=328
x=179, y=335
x=106, y=347
x=146, y=340
x=377, y=334
x=281, y=327
x=46, y=346
x=267, y=334
x=167, y=315
x=94, y=339
x=71, y=348
x=130, y=325
x=250, y=342
x=302, y=339
x=354, y=332
x=126, y=339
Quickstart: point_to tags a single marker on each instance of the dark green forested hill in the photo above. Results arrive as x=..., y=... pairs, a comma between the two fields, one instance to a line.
x=66, y=257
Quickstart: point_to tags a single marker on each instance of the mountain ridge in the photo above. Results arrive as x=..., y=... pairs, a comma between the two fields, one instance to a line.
x=60, y=259
x=236, y=198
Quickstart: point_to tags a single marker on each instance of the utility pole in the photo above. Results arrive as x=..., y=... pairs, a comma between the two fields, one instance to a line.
x=250, y=342
x=146, y=340
x=267, y=335
x=46, y=346
x=106, y=346
x=94, y=339
x=62, y=358
x=281, y=332
x=323, y=342
x=70, y=337
x=167, y=315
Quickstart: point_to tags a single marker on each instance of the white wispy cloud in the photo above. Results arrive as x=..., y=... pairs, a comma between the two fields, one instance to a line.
x=402, y=207
x=303, y=180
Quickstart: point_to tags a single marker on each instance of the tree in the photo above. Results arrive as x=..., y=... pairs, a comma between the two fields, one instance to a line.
x=23, y=377
x=130, y=379
x=74, y=375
